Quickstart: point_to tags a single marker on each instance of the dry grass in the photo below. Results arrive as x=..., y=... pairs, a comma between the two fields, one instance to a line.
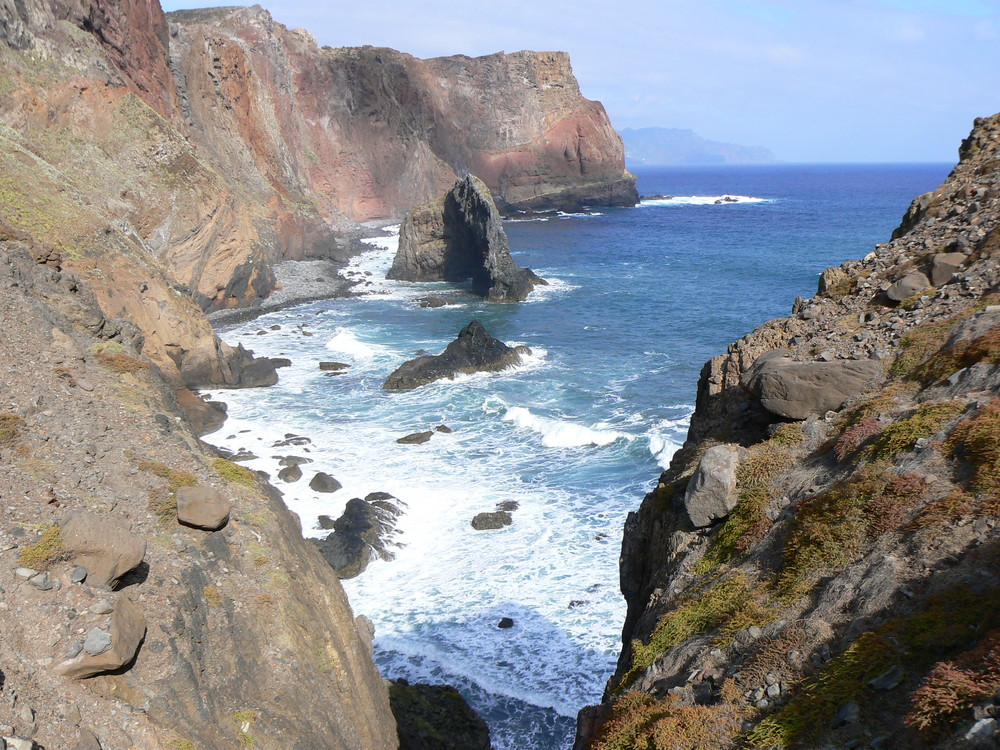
x=48, y=549
x=976, y=440
x=11, y=427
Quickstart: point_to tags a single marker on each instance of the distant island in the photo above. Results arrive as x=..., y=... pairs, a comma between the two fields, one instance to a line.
x=654, y=146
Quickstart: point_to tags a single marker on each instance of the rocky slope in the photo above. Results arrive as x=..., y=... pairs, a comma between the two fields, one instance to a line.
x=212, y=633
x=820, y=566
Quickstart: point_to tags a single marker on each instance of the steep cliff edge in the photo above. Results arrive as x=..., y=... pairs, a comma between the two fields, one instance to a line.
x=235, y=621
x=820, y=566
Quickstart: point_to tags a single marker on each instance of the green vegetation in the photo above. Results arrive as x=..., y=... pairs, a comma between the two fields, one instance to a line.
x=639, y=721
x=965, y=353
x=748, y=524
x=728, y=602
x=212, y=596
x=163, y=501
x=233, y=472
x=244, y=720
x=977, y=440
x=47, y=550
x=913, y=643
x=903, y=435
x=830, y=529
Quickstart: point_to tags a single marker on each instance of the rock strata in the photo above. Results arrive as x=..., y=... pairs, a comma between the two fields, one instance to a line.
x=460, y=237
x=473, y=351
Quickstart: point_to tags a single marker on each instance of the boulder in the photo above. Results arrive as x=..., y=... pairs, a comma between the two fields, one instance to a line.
x=128, y=628
x=431, y=302
x=364, y=531
x=944, y=266
x=830, y=278
x=906, y=287
x=461, y=237
x=323, y=482
x=205, y=416
x=416, y=438
x=333, y=366
x=279, y=362
x=795, y=390
x=290, y=474
x=202, y=508
x=103, y=544
x=711, y=492
x=436, y=717
x=473, y=351
x=492, y=520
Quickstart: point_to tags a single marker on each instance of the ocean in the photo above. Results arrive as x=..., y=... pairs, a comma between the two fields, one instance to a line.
x=639, y=299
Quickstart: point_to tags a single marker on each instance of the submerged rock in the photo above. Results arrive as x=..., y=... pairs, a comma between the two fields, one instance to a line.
x=473, y=351
x=461, y=237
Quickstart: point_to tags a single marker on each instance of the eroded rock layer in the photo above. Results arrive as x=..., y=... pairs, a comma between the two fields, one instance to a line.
x=842, y=588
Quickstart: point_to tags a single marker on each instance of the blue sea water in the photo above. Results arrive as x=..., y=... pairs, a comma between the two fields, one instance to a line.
x=639, y=299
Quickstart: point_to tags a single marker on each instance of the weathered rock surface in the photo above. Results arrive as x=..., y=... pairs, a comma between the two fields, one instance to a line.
x=363, y=532
x=436, y=717
x=796, y=390
x=128, y=628
x=203, y=508
x=711, y=491
x=416, y=438
x=946, y=265
x=907, y=286
x=461, y=237
x=107, y=547
x=473, y=351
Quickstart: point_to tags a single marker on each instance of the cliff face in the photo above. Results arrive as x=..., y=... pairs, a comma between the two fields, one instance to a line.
x=236, y=621
x=820, y=566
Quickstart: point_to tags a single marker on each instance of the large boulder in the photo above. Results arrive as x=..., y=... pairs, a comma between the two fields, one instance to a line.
x=202, y=508
x=473, y=351
x=795, y=390
x=363, y=532
x=128, y=628
x=711, y=492
x=103, y=544
x=906, y=287
x=461, y=237
x=946, y=265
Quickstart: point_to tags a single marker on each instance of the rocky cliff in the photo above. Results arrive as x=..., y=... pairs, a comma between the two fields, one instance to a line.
x=152, y=594
x=820, y=566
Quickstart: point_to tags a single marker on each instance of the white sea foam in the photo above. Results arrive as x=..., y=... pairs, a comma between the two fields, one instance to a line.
x=701, y=200
x=345, y=341
x=559, y=434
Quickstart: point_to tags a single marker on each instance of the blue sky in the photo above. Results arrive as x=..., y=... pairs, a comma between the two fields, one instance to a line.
x=812, y=80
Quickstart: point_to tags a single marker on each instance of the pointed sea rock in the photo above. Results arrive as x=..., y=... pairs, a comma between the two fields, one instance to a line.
x=459, y=237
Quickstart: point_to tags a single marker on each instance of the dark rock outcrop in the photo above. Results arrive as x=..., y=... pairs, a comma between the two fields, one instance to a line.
x=323, y=482
x=461, y=237
x=416, y=438
x=436, y=717
x=363, y=532
x=473, y=351
x=492, y=520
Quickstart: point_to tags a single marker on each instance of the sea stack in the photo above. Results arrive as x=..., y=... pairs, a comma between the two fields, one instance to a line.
x=459, y=237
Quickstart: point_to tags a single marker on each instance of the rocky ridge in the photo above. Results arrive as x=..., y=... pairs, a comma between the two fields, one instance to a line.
x=820, y=566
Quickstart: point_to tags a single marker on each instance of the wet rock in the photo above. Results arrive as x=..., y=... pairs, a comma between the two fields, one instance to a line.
x=294, y=461
x=711, y=492
x=505, y=623
x=416, y=438
x=461, y=237
x=128, y=628
x=796, y=390
x=202, y=508
x=333, y=366
x=364, y=531
x=325, y=522
x=443, y=428
x=103, y=544
x=492, y=520
x=279, y=362
x=432, y=302
x=473, y=351
x=323, y=482
x=290, y=474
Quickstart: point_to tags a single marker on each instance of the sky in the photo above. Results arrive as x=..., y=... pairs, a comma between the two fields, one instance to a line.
x=811, y=80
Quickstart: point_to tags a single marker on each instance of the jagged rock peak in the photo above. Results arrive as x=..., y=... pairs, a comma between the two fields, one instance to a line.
x=459, y=237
